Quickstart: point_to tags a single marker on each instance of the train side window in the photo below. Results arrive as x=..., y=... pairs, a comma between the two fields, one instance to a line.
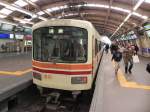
x=99, y=46
x=96, y=48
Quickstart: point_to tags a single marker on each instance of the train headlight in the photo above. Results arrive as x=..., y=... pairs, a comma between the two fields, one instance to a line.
x=78, y=80
x=37, y=75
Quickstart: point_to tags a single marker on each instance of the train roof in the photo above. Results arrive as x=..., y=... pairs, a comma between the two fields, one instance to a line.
x=64, y=22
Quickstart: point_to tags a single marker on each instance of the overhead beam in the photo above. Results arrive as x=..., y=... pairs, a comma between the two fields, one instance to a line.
x=103, y=2
x=109, y=22
x=101, y=23
x=135, y=7
x=37, y=7
x=20, y=9
x=108, y=11
x=99, y=13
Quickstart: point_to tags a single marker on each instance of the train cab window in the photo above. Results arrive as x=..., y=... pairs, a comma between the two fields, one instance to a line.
x=64, y=44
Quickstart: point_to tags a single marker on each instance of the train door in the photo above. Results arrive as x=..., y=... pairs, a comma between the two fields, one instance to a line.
x=94, y=55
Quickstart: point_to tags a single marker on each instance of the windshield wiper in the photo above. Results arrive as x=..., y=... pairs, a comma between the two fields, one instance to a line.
x=54, y=59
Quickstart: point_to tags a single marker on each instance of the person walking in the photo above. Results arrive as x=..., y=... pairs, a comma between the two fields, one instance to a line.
x=117, y=56
x=136, y=48
x=148, y=67
x=113, y=48
x=128, y=60
x=122, y=48
x=106, y=48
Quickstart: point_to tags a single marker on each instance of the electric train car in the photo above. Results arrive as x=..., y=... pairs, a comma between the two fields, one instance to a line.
x=66, y=54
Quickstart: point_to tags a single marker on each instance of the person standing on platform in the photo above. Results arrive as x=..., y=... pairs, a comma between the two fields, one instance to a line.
x=117, y=56
x=128, y=60
x=113, y=48
x=106, y=48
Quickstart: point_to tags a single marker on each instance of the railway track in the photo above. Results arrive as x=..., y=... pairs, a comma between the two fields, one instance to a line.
x=65, y=104
x=34, y=102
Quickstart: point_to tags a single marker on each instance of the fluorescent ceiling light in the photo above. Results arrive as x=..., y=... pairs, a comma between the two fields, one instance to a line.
x=42, y=18
x=147, y=1
x=23, y=21
x=11, y=8
x=144, y=17
x=67, y=15
x=97, y=5
x=2, y=16
x=127, y=17
x=53, y=9
x=71, y=14
x=17, y=8
x=22, y=10
x=27, y=19
x=40, y=13
x=120, y=9
x=34, y=16
x=33, y=0
x=139, y=15
x=6, y=11
x=63, y=7
x=121, y=25
x=94, y=5
x=20, y=3
x=56, y=8
x=134, y=13
x=138, y=4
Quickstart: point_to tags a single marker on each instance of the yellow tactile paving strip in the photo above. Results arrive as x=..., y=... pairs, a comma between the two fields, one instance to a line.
x=15, y=73
x=129, y=84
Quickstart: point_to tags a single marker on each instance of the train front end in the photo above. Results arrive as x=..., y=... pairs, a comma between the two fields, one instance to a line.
x=60, y=58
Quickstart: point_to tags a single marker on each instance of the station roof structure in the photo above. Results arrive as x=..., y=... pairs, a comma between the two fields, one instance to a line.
x=111, y=17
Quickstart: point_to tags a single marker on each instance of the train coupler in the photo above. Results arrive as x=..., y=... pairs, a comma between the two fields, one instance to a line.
x=52, y=101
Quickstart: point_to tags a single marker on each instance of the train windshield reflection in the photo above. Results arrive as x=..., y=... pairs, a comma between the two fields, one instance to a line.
x=62, y=44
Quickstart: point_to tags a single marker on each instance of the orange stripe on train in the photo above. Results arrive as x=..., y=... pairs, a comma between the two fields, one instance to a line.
x=62, y=66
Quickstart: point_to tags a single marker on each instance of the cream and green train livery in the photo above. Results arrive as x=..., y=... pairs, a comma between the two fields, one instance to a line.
x=66, y=54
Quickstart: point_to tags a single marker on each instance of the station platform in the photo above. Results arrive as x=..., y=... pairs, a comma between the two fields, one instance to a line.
x=15, y=74
x=124, y=92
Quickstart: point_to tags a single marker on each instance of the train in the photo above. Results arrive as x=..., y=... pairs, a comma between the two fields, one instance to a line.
x=66, y=54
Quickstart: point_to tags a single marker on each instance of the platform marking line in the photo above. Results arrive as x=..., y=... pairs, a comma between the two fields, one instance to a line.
x=129, y=84
x=15, y=73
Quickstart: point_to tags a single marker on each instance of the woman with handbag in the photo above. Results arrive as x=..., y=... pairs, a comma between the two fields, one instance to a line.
x=128, y=60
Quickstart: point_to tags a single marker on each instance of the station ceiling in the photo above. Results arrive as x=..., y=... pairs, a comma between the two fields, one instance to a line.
x=111, y=17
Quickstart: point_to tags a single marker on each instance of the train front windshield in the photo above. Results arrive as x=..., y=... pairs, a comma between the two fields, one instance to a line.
x=62, y=44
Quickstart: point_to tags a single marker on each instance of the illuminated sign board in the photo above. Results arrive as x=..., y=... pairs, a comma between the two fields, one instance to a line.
x=17, y=36
x=28, y=30
x=6, y=36
x=7, y=27
x=11, y=36
x=147, y=27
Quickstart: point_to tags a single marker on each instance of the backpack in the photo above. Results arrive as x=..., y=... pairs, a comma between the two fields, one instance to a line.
x=148, y=68
x=118, y=56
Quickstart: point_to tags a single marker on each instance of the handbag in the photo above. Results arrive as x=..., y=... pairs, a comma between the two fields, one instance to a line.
x=135, y=59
